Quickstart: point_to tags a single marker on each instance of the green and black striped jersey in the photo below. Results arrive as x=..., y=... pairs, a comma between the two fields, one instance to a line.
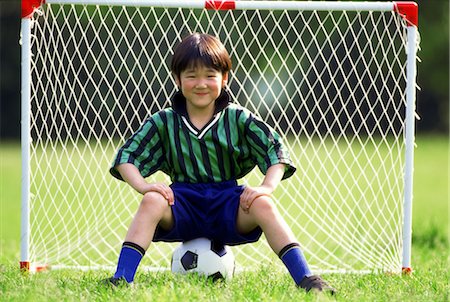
x=227, y=148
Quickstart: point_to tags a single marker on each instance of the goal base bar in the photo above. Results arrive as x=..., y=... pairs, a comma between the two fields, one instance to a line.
x=33, y=268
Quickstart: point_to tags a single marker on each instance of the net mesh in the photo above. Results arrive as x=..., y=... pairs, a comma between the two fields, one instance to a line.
x=333, y=83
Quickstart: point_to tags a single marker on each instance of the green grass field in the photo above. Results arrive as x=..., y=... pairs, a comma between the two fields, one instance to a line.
x=430, y=256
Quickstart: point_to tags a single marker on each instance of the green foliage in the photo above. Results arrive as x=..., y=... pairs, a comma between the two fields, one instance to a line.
x=432, y=70
x=434, y=52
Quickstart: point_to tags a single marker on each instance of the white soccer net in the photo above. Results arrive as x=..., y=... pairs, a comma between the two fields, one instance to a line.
x=332, y=82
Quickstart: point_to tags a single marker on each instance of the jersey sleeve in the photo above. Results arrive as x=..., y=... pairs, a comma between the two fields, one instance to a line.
x=143, y=149
x=266, y=146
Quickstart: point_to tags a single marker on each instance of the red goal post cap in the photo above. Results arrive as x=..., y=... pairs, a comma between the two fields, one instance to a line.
x=220, y=5
x=28, y=7
x=409, y=10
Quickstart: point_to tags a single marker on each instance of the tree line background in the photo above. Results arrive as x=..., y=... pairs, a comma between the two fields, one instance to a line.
x=433, y=70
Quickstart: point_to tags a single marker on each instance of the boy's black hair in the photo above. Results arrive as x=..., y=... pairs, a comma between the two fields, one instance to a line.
x=200, y=49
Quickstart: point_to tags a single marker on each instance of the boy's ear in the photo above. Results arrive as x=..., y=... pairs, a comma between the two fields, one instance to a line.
x=177, y=80
x=224, y=79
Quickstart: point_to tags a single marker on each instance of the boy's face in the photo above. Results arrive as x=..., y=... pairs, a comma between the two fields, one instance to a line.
x=201, y=86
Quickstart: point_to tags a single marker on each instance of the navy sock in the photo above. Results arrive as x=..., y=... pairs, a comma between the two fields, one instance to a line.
x=129, y=259
x=292, y=256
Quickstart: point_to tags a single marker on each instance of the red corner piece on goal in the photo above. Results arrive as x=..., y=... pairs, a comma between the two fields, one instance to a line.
x=220, y=5
x=28, y=7
x=26, y=267
x=406, y=271
x=409, y=11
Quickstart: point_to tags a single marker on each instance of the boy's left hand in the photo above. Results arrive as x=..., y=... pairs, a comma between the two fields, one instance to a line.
x=250, y=194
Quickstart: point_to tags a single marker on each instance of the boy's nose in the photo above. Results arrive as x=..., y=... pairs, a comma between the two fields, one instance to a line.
x=201, y=84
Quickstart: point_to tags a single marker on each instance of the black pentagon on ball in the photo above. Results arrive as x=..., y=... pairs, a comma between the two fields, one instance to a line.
x=216, y=277
x=189, y=260
x=218, y=248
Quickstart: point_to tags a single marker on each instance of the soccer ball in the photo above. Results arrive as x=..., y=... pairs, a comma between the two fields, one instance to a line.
x=204, y=257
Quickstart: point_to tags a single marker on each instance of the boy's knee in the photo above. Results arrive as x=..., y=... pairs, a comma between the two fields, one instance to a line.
x=264, y=204
x=153, y=201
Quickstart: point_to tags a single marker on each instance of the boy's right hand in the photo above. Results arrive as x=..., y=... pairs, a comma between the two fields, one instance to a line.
x=133, y=177
x=162, y=189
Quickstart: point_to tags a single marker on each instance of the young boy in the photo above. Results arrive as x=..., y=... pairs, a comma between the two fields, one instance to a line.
x=205, y=143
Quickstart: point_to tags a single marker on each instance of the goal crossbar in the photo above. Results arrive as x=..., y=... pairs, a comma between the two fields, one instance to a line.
x=407, y=8
x=242, y=5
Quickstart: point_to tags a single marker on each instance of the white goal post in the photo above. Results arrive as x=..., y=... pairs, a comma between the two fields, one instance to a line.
x=337, y=79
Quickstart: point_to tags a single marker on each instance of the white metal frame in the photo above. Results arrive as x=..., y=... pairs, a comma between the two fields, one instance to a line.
x=25, y=141
x=241, y=5
x=244, y=5
x=411, y=71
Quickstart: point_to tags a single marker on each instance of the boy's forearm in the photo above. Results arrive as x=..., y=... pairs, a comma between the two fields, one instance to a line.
x=273, y=176
x=130, y=173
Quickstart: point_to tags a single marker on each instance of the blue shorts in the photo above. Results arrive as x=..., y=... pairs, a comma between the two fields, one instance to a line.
x=206, y=210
